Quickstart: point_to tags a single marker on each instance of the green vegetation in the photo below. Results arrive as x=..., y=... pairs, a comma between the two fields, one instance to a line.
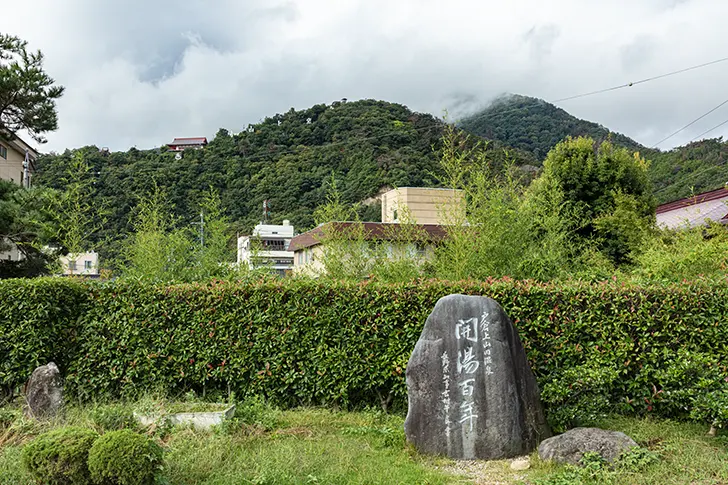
x=124, y=457
x=596, y=349
x=286, y=159
x=27, y=94
x=535, y=126
x=25, y=223
x=59, y=457
x=309, y=445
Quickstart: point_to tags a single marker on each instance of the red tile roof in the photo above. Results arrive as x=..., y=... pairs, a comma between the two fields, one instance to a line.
x=382, y=231
x=696, y=199
x=200, y=140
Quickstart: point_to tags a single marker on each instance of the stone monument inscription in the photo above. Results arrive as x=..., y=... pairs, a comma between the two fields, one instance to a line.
x=471, y=392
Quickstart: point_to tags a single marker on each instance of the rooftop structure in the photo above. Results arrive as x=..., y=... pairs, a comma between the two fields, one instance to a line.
x=423, y=205
x=694, y=211
x=180, y=144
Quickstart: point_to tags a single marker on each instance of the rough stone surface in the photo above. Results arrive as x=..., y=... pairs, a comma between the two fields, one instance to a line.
x=44, y=391
x=571, y=446
x=471, y=392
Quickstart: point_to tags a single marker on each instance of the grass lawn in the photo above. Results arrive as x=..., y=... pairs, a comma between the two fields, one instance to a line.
x=319, y=446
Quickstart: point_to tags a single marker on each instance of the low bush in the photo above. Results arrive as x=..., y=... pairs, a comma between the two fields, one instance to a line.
x=125, y=458
x=59, y=457
x=254, y=413
x=113, y=417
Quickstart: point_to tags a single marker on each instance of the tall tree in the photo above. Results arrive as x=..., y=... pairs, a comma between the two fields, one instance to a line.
x=603, y=190
x=27, y=94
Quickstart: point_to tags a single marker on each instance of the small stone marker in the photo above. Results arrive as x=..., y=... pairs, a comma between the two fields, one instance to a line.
x=571, y=446
x=471, y=392
x=44, y=391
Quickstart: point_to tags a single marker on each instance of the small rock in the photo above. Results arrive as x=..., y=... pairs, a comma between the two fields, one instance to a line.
x=520, y=464
x=571, y=446
x=44, y=391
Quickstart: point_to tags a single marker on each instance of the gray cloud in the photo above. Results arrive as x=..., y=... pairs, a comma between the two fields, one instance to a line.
x=140, y=73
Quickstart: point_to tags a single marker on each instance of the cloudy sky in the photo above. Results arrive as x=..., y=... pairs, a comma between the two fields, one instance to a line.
x=139, y=73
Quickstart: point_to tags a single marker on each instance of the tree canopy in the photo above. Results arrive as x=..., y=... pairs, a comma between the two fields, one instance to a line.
x=27, y=93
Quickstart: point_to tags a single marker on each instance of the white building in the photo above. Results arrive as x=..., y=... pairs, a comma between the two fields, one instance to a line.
x=267, y=247
x=83, y=264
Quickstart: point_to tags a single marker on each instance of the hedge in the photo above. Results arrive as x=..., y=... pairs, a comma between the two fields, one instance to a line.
x=608, y=346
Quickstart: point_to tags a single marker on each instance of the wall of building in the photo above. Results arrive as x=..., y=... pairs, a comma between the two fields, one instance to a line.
x=84, y=264
x=12, y=168
x=309, y=261
x=424, y=205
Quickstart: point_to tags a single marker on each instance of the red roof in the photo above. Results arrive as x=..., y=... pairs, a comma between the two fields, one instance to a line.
x=696, y=199
x=382, y=231
x=200, y=140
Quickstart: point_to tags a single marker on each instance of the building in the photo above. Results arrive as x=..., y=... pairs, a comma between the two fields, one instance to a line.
x=268, y=247
x=181, y=144
x=424, y=205
x=413, y=240
x=83, y=264
x=17, y=164
x=17, y=161
x=694, y=211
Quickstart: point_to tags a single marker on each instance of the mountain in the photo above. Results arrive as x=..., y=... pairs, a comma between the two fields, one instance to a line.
x=691, y=169
x=535, y=126
x=367, y=145
x=286, y=159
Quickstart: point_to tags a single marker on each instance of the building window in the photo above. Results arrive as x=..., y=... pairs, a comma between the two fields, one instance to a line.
x=4, y=152
x=87, y=265
x=72, y=265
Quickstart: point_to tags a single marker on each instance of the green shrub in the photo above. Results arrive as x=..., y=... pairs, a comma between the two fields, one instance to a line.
x=7, y=417
x=113, y=417
x=60, y=456
x=594, y=348
x=39, y=323
x=125, y=458
x=255, y=412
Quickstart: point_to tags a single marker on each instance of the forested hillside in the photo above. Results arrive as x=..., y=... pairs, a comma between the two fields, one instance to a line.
x=287, y=159
x=536, y=126
x=697, y=167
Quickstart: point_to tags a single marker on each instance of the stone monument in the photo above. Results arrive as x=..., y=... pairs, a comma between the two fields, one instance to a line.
x=44, y=391
x=471, y=392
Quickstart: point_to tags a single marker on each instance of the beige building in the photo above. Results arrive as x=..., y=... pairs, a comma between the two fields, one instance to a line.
x=13, y=155
x=423, y=205
x=83, y=264
x=12, y=160
x=395, y=239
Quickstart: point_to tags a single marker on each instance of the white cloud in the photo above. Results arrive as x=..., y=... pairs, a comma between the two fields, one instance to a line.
x=140, y=73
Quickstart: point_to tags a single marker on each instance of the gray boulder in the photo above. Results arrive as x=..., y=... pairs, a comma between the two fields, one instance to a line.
x=44, y=391
x=571, y=446
x=471, y=393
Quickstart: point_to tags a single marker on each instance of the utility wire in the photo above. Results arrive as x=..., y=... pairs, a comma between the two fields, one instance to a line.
x=435, y=125
x=708, y=131
x=634, y=83
x=690, y=124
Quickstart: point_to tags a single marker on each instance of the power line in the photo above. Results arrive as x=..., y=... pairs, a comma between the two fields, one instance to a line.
x=435, y=125
x=691, y=123
x=708, y=131
x=634, y=83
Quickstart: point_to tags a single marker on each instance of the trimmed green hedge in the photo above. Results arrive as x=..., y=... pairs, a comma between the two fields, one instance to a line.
x=39, y=323
x=602, y=346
